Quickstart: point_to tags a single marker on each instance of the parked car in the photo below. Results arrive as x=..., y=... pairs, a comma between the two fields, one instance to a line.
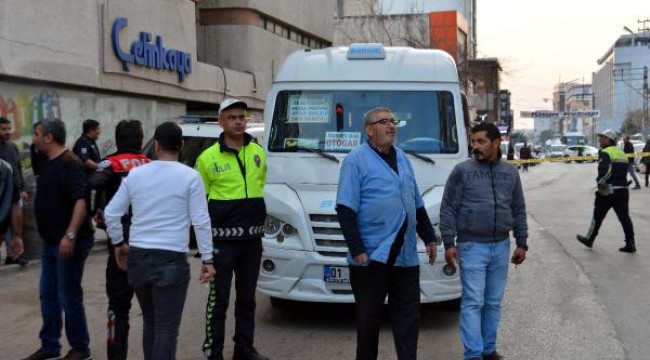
x=581, y=150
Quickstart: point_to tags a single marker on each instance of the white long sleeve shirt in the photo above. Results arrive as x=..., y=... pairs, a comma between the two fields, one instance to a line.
x=165, y=197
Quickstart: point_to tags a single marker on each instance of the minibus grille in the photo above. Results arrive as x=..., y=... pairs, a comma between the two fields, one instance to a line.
x=328, y=238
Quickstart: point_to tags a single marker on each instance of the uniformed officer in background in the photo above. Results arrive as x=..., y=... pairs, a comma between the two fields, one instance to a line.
x=86, y=147
x=612, y=192
x=234, y=174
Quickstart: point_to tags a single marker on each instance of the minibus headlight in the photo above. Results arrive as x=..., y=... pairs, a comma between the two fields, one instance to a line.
x=288, y=230
x=272, y=226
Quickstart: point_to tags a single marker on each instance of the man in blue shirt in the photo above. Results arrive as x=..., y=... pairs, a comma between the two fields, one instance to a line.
x=382, y=255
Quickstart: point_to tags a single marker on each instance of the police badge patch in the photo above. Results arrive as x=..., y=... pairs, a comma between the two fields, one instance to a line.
x=257, y=159
x=84, y=151
x=104, y=164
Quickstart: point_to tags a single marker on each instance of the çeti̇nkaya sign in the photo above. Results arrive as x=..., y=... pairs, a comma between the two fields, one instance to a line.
x=147, y=54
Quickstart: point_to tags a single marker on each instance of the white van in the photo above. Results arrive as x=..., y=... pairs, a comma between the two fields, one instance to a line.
x=313, y=118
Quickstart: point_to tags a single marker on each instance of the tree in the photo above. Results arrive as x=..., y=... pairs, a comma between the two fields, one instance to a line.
x=632, y=123
x=545, y=135
x=371, y=21
x=518, y=137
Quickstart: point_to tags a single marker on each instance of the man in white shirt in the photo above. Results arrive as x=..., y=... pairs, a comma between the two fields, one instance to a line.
x=166, y=198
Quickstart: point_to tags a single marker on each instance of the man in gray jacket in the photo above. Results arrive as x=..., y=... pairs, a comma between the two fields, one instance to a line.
x=483, y=201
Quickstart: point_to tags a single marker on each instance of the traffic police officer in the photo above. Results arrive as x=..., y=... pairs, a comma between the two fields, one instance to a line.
x=103, y=184
x=234, y=174
x=612, y=191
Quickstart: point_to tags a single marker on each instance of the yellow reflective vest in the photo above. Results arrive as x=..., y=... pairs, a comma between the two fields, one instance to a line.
x=234, y=182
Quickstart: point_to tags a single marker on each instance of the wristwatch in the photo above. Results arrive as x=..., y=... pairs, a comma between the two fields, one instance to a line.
x=71, y=236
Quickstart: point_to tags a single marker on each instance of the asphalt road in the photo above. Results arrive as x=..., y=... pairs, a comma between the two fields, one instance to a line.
x=564, y=302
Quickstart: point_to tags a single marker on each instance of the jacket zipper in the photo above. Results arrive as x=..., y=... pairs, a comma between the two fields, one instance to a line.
x=494, y=195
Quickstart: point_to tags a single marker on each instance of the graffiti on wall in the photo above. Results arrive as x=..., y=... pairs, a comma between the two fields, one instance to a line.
x=25, y=109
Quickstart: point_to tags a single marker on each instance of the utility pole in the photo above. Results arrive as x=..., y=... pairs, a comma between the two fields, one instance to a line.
x=644, y=28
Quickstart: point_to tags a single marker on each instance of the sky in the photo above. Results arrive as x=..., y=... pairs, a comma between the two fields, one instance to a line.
x=542, y=43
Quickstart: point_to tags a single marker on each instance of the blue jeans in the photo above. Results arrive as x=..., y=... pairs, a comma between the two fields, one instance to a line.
x=483, y=274
x=160, y=279
x=60, y=290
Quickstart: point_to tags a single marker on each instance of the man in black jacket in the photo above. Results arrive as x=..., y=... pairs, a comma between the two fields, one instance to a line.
x=103, y=184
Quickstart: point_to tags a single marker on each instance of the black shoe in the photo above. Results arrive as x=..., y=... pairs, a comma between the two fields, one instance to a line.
x=493, y=356
x=19, y=261
x=42, y=354
x=637, y=187
x=628, y=249
x=586, y=242
x=247, y=354
x=76, y=354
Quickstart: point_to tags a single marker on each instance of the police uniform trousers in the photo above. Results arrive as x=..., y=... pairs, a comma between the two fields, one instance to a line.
x=120, y=294
x=619, y=200
x=240, y=258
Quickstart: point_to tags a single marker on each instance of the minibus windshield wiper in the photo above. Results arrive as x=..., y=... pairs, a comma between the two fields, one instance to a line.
x=421, y=157
x=315, y=151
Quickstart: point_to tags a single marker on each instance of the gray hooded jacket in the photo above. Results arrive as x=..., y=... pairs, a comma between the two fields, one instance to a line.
x=483, y=202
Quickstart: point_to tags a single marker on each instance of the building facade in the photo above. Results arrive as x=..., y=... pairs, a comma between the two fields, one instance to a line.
x=620, y=85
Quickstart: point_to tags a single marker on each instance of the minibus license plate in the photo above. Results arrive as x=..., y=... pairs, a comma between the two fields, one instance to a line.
x=337, y=274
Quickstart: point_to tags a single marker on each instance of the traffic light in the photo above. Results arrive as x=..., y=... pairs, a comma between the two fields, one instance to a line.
x=339, y=117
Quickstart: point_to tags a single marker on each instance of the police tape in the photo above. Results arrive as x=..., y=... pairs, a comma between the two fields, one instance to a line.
x=572, y=158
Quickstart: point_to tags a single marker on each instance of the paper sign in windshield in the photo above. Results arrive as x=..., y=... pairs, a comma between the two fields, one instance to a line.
x=309, y=108
x=341, y=140
x=297, y=142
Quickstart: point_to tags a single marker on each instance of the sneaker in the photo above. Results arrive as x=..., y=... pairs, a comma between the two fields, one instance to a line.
x=42, y=354
x=493, y=356
x=76, y=354
x=247, y=354
x=637, y=187
x=628, y=249
x=586, y=242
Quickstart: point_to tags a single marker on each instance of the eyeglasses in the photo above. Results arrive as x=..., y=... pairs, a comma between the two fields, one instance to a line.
x=385, y=122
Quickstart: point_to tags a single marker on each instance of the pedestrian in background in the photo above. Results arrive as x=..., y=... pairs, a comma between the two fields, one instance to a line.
x=646, y=161
x=628, y=149
x=234, y=175
x=13, y=227
x=66, y=230
x=612, y=192
x=483, y=201
x=511, y=152
x=525, y=154
x=103, y=184
x=166, y=197
x=86, y=145
x=377, y=186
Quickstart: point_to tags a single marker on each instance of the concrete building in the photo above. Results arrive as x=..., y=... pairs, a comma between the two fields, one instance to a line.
x=152, y=60
x=618, y=85
x=363, y=8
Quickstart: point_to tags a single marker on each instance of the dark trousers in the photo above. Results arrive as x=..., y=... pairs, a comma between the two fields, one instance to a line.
x=370, y=285
x=160, y=279
x=647, y=173
x=619, y=200
x=120, y=294
x=241, y=257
